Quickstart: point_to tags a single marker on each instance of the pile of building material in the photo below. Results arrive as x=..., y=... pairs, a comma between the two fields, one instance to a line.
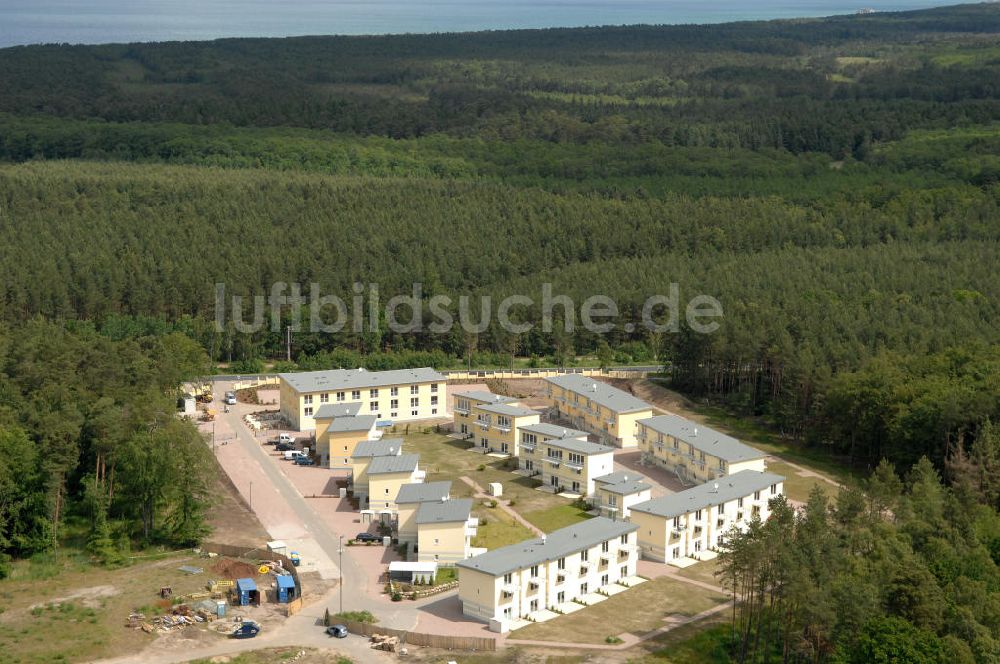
x=182, y=616
x=385, y=642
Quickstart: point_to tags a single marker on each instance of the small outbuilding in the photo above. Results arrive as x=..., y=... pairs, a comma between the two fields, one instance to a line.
x=285, y=586
x=246, y=592
x=404, y=572
x=496, y=489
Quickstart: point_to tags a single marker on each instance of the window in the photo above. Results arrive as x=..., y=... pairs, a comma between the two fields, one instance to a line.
x=604, y=579
x=719, y=540
x=307, y=398
x=585, y=555
x=434, y=411
x=623, y=539
x=721, y=509
x=502, y=420
x=373, y=394
x=414, y=402
x=508, y=578
x=505, y=448
x=756, y=495
x=561, y=564
x=340, y=396
x=575, y=486
x=393, y=414
x=677, y=522
x=529, y=438
x=583, y=588
x=324, y=398
x=387, y=491
x=534, y=571
x=393, y=391
x=697, y=515
x=437, y=541
x=414, y=389
x=739, y=503
x=697, y=545
x=355, y=394
x=576, y=458
x=612, y=500
x=434, y=401
x=394, y=404
x=308, y=412
x=676, y=553
x=605, y=547
x=774, y=489
x=560, y=597
x=414, y=413
x=373, y=406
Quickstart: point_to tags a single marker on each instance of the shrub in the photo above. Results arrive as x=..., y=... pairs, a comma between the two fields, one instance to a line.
x=397, y=596
x=413, y=595
x=613, y=640
x=481, y=467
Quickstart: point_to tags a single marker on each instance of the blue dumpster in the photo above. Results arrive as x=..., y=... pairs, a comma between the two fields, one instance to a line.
x=286, y=588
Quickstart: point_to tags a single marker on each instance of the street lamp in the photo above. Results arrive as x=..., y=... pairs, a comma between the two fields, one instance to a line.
x=341, y=552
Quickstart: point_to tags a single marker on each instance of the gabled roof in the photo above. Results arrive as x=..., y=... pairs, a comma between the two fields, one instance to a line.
x=557, y=544
x=485, y=396
x=444, y=511
x=384, y=465
x=421, y=493
x=554, y=431
x=623, y=483
x=350, y=379
x=328, y=410
x=703, y=438
x=507, y=409
x=601, y=393
x=356, y=423
x=367, y=449
x=716, y=492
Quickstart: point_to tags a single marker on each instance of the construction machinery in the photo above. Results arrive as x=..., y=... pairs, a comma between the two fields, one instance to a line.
x=247, y=629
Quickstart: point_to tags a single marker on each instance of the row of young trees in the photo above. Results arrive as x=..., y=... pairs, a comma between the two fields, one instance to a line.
x=89, y=436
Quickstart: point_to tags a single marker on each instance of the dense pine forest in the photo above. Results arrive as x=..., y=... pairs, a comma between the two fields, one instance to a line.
x=834, y=183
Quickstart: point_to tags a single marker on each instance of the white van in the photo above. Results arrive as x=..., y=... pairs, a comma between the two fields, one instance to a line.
x=291, y=455
x=286, y=438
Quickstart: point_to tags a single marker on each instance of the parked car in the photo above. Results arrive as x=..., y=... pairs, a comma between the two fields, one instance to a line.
x=286, y=438
x=304, y=461
x=339, y=631
x=367, y=537
x=284, y=447
x=292, y=455
x=231, y=398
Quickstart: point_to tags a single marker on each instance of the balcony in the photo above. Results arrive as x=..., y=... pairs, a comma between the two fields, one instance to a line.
x=575, y=465
x=461, y=411
x=554, y=461
x=505, y=428
x=528, y=447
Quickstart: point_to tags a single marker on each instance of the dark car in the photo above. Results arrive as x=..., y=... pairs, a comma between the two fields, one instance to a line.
x=367, y=537
x=339, y=631
x=304, y=461
x=284, y=447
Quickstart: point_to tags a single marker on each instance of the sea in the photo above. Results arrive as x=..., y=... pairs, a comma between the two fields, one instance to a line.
x=110, y=21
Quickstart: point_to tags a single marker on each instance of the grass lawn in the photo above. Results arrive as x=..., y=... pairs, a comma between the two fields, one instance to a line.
x=556, y=517
x=497, y=528
x=57, y=607
x=703, y=571
x=445, y=458
x=658, y=599
x=702, y=642
x=798, y=487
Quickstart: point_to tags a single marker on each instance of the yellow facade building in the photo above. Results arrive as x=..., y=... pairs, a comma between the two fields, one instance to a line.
x=445, y=529
x=690, y=523
x=563, y=458
x=492, y=421
x=386, y=474
x=338, y=431
x=694, y=452
x=599, y=408
x=401, y=395
x=364, y=452
x=514, y=582
x=614, y=494
x=409, y=499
